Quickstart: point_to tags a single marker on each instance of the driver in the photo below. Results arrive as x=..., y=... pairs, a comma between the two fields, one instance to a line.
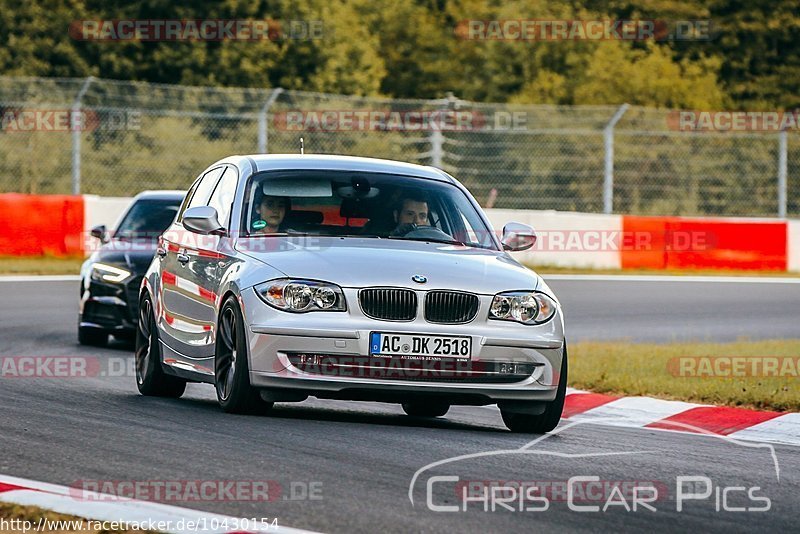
x=411, y=211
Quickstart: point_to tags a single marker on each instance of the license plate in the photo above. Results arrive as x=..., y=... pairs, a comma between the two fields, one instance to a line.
x=417, y=346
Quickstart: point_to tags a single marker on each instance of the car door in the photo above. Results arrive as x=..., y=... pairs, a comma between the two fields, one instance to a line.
x=208, y=258
x=187, y=276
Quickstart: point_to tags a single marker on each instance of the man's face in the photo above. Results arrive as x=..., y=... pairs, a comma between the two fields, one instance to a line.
x=413, y=212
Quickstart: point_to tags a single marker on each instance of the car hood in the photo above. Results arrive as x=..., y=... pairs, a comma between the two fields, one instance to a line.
x=354, y=262
x=135, y=255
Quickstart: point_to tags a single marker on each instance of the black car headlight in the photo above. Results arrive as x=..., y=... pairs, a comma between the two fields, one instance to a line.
x=526, y=307
x=109, y=273
x=302, y=295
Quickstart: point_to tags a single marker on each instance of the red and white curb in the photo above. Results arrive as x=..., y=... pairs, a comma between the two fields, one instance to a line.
x=647, y=412
x=93, y=506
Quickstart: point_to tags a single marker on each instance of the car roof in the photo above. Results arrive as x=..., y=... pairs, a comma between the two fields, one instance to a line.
x=161, y=195
x=267, y=162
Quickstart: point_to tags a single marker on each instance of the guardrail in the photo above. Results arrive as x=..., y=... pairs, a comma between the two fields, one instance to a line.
x=59, y=225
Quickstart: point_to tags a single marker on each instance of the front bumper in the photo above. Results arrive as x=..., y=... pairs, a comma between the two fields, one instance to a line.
x=279, y=341
x=113, y=308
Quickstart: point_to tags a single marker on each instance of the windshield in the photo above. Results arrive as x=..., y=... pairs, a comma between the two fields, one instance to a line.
x=147, y=218
x=358, y=204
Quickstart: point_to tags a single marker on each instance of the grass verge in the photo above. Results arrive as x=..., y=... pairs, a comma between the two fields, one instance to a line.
x=11, y=265
x=27, y=518
x=762, y=375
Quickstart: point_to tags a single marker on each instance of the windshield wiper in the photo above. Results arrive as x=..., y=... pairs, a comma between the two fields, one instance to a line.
x=276, y=234
x=369, y=236
x=432, y=240
x=291, y=232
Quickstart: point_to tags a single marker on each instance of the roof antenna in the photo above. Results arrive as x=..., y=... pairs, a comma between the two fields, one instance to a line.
x=302, y=149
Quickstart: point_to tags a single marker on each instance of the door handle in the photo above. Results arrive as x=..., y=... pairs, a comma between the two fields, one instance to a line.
x=183, y=258
x=161, y=251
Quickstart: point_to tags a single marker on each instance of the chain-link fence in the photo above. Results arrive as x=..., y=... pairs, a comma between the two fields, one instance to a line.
x=118, y=138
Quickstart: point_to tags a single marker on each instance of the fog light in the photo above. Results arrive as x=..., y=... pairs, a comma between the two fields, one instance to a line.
x=521, y=369
x=310, y=359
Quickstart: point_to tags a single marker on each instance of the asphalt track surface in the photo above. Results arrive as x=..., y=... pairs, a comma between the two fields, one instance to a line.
x=360, y=458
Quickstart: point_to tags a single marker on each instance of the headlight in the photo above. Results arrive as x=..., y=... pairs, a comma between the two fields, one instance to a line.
x=526, y=307
x=109, y=273
x=302, y=295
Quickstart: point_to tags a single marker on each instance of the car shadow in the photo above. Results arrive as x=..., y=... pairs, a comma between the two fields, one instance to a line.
x=315, y=413
x=115, y=344
x=299, y=412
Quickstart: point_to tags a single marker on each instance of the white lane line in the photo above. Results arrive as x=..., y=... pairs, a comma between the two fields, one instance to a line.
x=671, y=278
x=97, y=506
x=783, y=429
x=41, y=278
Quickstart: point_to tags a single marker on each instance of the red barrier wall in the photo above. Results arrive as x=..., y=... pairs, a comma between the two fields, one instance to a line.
x=684, y=243
x=33, y=225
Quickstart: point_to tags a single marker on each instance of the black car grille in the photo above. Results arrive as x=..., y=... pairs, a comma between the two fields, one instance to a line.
x=388, y=304
x=450, y=307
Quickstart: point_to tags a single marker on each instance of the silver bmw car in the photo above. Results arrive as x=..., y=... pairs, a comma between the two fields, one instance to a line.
x=289, y=276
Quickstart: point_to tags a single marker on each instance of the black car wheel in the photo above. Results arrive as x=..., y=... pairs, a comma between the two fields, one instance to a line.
x=150, y=376
x=231, y=373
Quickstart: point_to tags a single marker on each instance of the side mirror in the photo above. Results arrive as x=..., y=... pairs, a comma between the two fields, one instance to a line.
x=202, y=220
x=518, y=236
x=100, y=233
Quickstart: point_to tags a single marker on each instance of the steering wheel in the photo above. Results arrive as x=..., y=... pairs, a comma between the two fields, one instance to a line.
x=424, y=231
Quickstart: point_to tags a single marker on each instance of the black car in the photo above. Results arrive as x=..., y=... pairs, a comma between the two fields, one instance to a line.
x=112, y=276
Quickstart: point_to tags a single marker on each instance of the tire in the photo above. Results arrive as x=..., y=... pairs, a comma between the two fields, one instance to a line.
x=541, y=424
x=151, y=379
x=231, y=371
x=92, y=337
x=426, y=409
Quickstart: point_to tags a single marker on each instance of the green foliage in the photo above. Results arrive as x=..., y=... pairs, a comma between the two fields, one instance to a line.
x=413, y=49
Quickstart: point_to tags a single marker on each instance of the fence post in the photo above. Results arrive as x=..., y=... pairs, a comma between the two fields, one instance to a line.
x=783, y=148
x=608, y=142
x=437, y=140
x=263, y=119
x=77, y=125
x=437, y=137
